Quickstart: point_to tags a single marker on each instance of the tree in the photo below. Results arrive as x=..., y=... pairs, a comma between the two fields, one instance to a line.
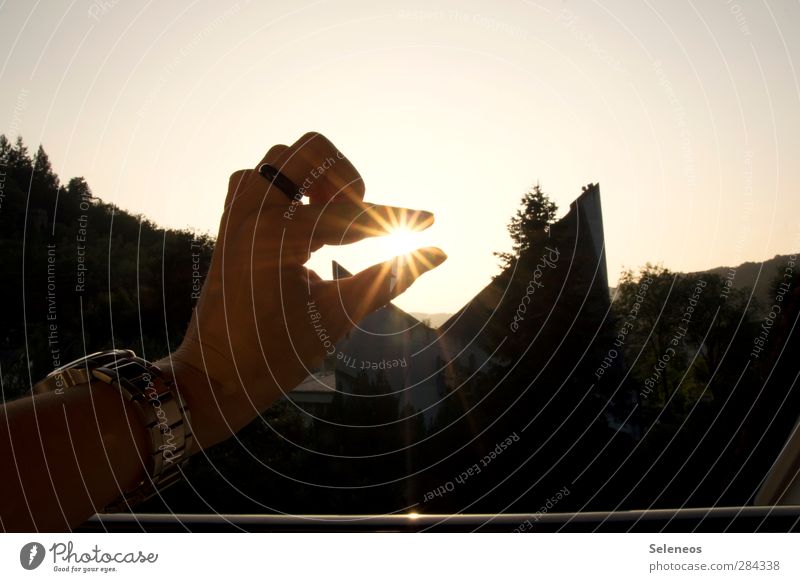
x=17, y=159
x=682, y=336
x=649, y=309
x=44, y=177
x=5, y=149
x=537, y=213
x=78, y=188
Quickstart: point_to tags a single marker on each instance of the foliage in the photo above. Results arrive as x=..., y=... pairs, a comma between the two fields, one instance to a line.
x=536, y=213
x=678, y=331
x=82, y=275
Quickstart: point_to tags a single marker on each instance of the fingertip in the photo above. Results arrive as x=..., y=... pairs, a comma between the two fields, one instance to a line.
x=405, y=269
x=390, y=218
x=433, y=256
x=424, y=219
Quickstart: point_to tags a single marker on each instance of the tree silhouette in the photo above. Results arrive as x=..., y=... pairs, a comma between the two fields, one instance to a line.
x=44, y=179
x=78, y=188
x=536, y=213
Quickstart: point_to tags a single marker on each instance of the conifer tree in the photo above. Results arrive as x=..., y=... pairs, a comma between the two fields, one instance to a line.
x=44, y=178
x=536, y=213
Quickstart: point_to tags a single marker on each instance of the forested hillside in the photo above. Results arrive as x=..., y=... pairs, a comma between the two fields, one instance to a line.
x=81, y=275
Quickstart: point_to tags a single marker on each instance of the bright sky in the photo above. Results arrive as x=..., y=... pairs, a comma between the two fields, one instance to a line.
x=687, y=114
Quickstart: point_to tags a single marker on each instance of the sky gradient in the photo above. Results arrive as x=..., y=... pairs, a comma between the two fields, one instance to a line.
x=687, y=114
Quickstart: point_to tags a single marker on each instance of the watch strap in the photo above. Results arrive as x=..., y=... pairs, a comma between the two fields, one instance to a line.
x=158, y=403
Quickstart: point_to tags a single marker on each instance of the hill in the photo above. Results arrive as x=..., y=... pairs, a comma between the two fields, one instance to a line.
x=436, y=319
x=758, y=276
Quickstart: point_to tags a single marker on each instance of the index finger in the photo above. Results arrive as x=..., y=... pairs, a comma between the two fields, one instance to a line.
x=346, y=222
x=318, y=169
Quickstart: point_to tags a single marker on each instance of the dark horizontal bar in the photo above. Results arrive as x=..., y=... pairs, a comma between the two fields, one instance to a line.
x=718, y=519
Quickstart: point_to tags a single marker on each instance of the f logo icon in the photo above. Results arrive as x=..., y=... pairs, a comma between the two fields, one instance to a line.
x=31, y=555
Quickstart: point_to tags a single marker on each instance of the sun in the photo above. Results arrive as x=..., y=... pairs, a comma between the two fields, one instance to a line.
x=402, y=240
x=402, y=232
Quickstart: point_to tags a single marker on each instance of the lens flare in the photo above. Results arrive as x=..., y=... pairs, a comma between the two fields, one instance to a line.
x=402, y=240
x=402, y=232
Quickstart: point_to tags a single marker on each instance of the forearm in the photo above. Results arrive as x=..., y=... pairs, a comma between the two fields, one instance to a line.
x=66, y=456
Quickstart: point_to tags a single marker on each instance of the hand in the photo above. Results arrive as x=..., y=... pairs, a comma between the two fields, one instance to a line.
x=263, y=320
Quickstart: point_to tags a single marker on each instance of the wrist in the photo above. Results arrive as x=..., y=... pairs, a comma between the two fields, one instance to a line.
x=216, y=411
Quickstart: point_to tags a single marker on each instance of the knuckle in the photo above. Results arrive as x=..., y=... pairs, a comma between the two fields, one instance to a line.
x=311, y=135
x=274, y=155
x=238, y=179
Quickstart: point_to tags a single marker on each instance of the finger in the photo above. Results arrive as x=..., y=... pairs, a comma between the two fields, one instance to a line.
x=345, y=223
x=248, y=190
x=322, y=171
x=313, y=164
x=312, y=277
x=235, y=188
x=249, y=193
x=374, y=287
x=274, y=157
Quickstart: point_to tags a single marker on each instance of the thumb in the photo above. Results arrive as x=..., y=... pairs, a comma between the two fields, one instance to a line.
x=375, y=286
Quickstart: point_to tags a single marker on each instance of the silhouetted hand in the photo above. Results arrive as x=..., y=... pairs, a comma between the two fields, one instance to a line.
x=264, y=320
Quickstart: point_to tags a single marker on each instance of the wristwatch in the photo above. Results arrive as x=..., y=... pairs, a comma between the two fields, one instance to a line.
x=159, y=405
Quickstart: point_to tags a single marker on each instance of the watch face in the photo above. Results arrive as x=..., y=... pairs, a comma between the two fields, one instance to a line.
x=89, y=358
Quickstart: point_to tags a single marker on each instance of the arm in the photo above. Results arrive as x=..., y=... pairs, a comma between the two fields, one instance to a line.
x=64, y=457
